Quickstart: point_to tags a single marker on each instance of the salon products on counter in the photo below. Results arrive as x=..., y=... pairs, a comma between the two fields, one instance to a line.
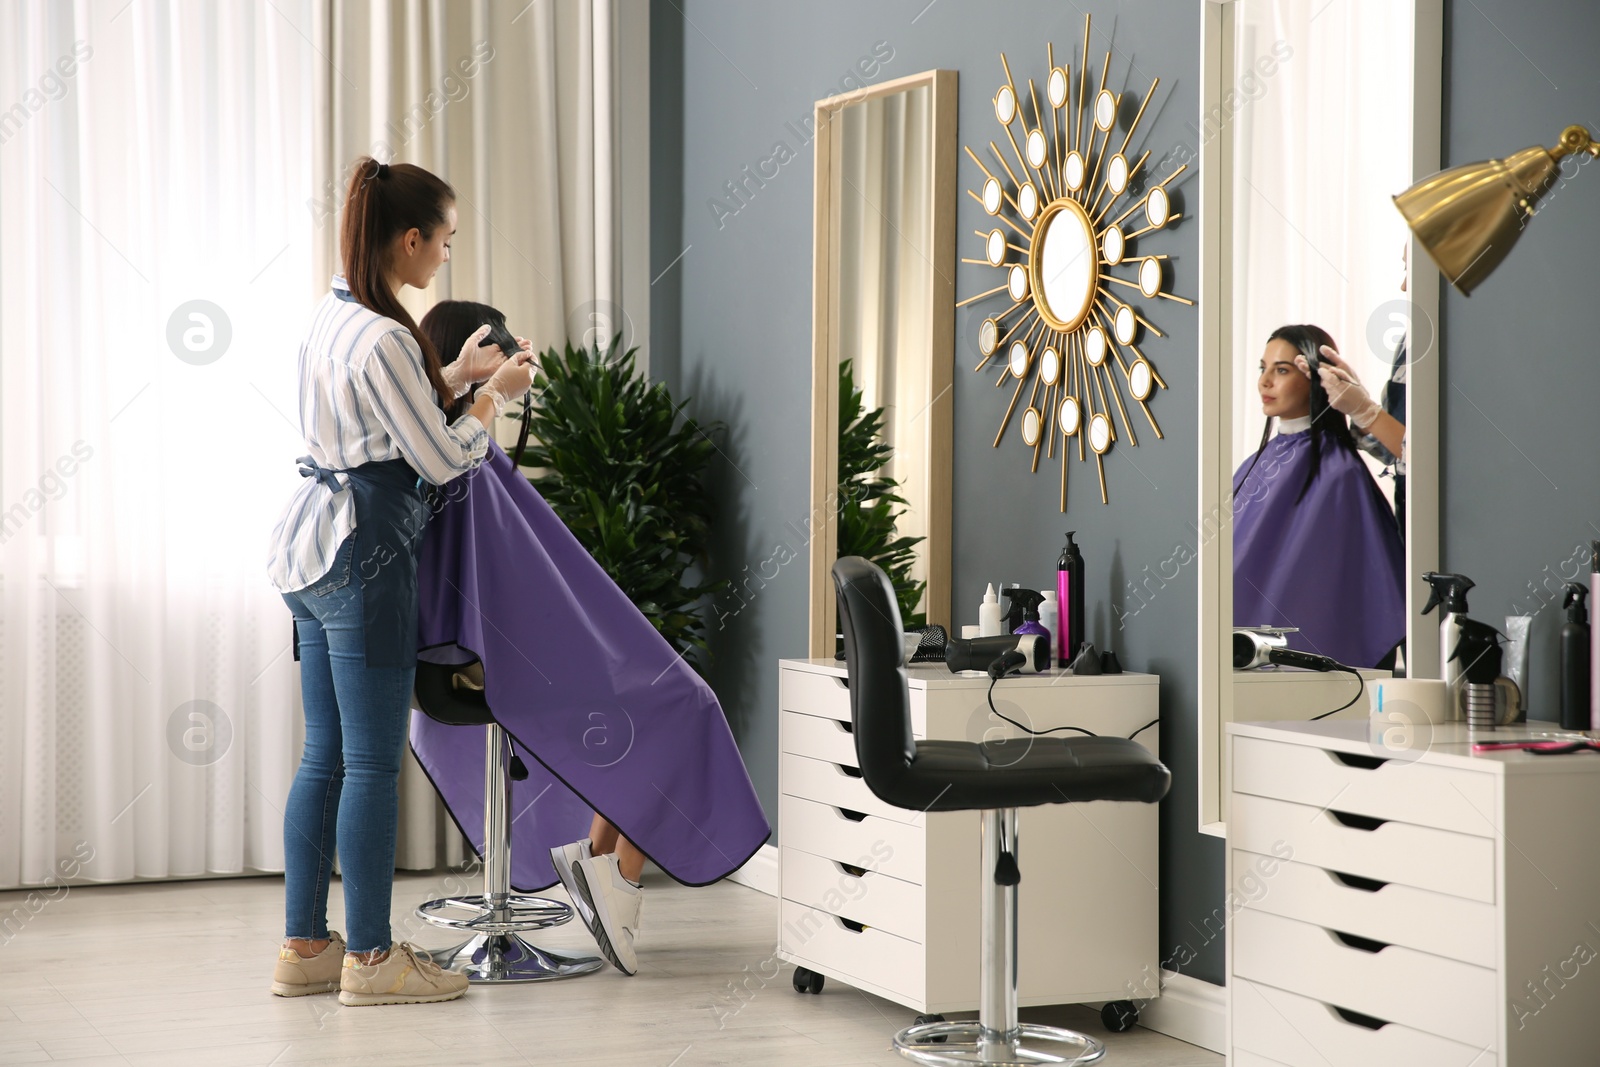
x=1576, y=683
x=989, y=614
x=1448, y=592
x=1050, y=614
x=1028, y=601
x=1069, y=597
x=1519, y=628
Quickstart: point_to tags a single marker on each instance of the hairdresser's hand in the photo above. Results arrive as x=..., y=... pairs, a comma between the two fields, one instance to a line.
x=528, y=353
x=473, y=364
x=509, y=382
x=1345, y=392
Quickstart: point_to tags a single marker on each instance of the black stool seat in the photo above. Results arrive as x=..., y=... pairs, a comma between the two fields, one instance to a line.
x=442, y=702
x=1024, y=772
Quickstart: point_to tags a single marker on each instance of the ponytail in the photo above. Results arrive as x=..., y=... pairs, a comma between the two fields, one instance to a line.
x=383, y=202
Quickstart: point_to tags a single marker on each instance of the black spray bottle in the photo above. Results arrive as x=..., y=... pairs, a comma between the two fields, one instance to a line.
x=1478, y=654
x=1575, y=660
x=1069, y=601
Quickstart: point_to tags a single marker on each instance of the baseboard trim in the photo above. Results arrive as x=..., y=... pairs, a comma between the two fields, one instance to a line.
x=1189, y=1010
x=760, y=872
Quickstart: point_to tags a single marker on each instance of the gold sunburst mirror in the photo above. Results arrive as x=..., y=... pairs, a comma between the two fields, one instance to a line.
x=1064, y=225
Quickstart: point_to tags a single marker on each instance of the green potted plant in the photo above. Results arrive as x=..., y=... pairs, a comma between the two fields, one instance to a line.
x=624, y=468
x=869, y=505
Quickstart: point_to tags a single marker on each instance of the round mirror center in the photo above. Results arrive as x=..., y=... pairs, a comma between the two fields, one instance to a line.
x=1064, y=267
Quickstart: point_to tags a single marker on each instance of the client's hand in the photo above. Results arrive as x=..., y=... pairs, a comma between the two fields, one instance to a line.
x=1345, y=392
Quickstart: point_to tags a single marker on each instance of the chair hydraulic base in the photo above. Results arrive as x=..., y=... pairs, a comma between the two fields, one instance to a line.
x=997, y=1038
x=959, y=1043
x=492, y=958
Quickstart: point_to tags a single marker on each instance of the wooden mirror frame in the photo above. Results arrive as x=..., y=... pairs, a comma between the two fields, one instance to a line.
x=937, y=424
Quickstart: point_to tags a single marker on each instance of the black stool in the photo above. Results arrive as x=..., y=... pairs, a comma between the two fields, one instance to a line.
x=995, y=777
x=495, y=952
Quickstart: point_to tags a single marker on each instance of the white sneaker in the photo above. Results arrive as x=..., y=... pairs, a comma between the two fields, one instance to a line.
x=564, y=858
x=616, y=903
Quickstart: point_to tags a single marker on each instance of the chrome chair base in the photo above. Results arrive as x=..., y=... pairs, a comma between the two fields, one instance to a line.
x=959, y=1043
x=518, y=913
x=495, y=958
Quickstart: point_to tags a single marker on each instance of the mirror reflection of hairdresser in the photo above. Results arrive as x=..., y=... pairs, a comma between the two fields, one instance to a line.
x=373, y=396
x=1382, y=423
x=1315, y=545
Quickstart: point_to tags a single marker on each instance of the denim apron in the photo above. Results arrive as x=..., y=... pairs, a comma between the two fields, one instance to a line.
x=392, y=512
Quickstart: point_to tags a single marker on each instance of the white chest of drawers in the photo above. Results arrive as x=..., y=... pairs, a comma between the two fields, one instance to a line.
x=1423, y=907
x=886, y=899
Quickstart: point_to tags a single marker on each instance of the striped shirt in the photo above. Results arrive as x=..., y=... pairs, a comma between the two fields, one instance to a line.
x=364, y=398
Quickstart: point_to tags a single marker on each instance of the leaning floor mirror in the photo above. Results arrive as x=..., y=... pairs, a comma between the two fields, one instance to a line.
x=883, y=336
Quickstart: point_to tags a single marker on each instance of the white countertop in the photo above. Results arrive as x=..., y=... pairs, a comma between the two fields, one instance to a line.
x=937, y=675
x=1442, y=744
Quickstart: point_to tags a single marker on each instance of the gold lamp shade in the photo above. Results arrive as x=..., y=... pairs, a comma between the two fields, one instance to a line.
x=1468, y=217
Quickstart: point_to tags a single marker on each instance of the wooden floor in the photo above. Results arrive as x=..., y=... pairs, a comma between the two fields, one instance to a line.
x=177, y=973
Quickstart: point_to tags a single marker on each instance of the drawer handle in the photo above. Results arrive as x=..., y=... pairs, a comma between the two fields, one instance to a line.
x=1351, y=759
x=1364, y=944
x=849, y=772
x=853, y=816
x=850, y=924
x=1366, y=1022
x=847, y=727
x=851, y=869
x=1355, y=881
x=1345, y=818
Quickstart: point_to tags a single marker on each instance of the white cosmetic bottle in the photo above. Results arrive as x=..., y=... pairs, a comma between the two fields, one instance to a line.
x=989, y=614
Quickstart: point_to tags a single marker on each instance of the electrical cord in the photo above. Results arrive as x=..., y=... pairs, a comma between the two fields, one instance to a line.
x=1054, y=729
x=1361, y=687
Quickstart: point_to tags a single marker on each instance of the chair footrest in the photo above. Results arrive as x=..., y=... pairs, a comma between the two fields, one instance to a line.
x=959, y=1043
x=475, y=915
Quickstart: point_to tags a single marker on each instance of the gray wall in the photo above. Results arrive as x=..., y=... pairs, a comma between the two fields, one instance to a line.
x=1521, y=402
x=733, y=330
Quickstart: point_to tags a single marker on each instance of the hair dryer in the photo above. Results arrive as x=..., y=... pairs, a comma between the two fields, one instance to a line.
x=1001, y=655
x=1253, y=650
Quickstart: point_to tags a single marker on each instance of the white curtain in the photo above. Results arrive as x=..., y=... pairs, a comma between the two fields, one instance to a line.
x=1322, y=142
x=169, y=187
x=154, y=269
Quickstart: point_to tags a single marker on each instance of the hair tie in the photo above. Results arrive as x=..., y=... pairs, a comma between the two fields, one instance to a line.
x=383, y=171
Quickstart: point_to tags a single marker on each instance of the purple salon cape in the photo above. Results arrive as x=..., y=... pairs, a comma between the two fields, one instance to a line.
x=1331, y=564
x=605, y=713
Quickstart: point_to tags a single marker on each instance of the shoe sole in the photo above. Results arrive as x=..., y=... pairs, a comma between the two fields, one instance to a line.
x=581, y=901
x=366, y=1000
x=601, y=938
x=284, y=989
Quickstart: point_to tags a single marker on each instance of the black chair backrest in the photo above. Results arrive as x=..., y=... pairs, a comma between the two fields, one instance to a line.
x=874, y=652
x=442, y=702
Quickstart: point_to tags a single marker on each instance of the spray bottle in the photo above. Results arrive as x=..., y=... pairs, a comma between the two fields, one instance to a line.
x=1029, y=600
x=1575, y=638
x=1450, y=591
x=1478, y=654
x=1069, y=597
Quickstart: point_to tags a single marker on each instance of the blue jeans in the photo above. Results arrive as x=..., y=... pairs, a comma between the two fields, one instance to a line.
x=347, y=788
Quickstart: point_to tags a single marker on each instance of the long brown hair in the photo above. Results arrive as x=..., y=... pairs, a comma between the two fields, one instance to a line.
x=384, y=201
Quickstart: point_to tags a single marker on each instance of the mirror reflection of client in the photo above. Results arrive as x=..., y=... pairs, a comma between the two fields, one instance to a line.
x=1315, y=544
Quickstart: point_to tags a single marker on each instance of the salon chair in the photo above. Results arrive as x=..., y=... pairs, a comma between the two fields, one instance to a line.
x=994, y=777
x=495, y=952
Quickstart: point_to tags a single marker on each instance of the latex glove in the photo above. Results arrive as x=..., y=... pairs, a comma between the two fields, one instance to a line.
x=1345, y=392
x=475, y=362
x=509, y=382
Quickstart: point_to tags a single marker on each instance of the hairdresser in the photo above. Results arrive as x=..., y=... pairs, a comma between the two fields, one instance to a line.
x=373, y=396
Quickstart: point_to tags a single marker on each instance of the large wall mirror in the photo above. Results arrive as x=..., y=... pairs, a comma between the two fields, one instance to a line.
x=883, y=343
x=1313, y=117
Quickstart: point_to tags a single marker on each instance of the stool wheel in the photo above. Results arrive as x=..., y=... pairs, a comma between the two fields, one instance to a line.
x=924, y=1020
x=1119, y=1016
x=807, y=981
